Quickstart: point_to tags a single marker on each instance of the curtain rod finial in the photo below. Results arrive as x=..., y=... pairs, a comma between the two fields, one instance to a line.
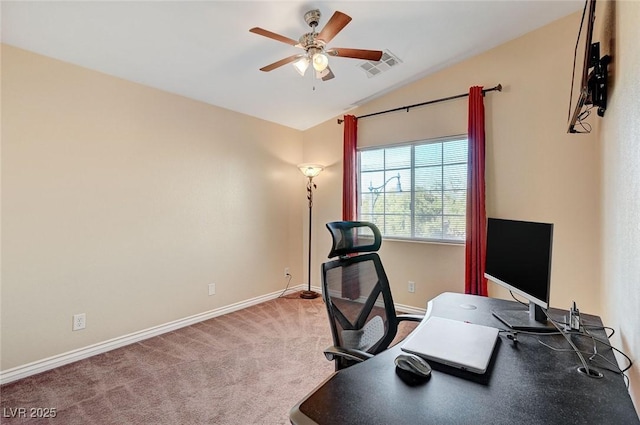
x=340, y=121
x=499, y=87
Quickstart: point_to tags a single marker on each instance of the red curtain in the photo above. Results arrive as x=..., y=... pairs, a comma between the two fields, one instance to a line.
x=349, y=188
x=475, y=283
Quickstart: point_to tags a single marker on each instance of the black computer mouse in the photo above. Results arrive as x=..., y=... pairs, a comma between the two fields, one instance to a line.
x=413, y=364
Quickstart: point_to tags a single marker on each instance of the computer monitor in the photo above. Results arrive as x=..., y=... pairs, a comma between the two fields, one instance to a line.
x=519, y=258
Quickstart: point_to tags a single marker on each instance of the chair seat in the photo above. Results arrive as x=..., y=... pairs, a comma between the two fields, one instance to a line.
x=365, y=338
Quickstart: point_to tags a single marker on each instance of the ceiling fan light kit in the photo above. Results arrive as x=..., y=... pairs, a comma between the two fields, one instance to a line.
x=301, y=65
x=314, y=43
x=320, y=61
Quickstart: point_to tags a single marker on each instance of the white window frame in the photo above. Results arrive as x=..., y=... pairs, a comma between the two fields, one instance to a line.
x=390, y=180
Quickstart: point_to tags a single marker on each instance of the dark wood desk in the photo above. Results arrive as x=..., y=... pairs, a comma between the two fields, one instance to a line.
x=526, y=383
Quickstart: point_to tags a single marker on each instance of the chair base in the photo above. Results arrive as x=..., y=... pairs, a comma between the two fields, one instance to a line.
x=309, y=295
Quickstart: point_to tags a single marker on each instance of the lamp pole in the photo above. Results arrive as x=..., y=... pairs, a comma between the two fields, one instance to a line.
x=310, y=170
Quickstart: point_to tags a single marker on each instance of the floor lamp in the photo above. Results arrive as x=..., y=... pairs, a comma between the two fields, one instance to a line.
x=310, y=171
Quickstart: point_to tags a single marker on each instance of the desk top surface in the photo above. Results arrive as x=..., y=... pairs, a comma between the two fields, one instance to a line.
x=526, y=383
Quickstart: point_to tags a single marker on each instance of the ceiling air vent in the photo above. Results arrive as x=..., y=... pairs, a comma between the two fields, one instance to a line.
x=385, y=63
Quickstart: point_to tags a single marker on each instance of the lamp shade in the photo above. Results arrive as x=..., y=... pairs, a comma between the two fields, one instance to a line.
x=301, y=65
x=320, y=61
x=310, y=170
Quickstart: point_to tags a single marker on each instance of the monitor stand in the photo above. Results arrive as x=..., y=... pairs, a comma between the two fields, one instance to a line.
x=532, y=319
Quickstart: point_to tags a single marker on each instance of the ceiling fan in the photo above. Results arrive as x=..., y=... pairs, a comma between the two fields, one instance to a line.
x=314, y=45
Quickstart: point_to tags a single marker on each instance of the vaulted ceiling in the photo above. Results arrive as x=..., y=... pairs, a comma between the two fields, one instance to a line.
x=204, y=50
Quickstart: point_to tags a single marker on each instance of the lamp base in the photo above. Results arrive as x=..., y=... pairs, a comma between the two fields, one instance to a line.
x=309, y=295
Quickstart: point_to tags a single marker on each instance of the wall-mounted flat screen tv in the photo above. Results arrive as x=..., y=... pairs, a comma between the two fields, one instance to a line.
x=589, y=80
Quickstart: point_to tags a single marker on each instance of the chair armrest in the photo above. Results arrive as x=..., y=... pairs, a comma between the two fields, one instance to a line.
x=411, y=317
x=356, y=355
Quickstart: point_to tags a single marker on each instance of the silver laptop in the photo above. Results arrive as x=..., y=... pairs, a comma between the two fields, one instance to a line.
x=462, y=345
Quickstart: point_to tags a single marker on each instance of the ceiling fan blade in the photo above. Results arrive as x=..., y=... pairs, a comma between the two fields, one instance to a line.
x=328, y=76
x=281, y=62
x=274, y=36
x=372, y=55
x=337, y=22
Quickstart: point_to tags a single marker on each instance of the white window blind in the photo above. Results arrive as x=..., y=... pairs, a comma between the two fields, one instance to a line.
x=415, y=191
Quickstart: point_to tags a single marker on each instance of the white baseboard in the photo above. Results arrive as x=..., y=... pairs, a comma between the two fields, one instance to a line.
x=49, y=363
x=410, y=310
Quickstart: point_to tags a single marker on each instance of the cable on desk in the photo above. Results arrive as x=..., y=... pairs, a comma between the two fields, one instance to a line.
x=536, y=333
x=591, y=358
x=513, y=335
x=591, y=373
x=517, y=300
x=608, y=344
x=595, y=354
x=600, y=328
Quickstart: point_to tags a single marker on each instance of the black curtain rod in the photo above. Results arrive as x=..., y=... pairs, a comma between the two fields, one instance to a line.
x=496, y=88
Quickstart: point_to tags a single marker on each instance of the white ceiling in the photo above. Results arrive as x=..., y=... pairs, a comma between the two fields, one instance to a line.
x=204, y=50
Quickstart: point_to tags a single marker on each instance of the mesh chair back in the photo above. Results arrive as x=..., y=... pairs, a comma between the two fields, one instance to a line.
x=357, y=294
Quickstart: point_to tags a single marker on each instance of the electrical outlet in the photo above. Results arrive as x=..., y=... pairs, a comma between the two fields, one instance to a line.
x=79, y=321
x=412, y=287
x=212, y=289
x=286, y=272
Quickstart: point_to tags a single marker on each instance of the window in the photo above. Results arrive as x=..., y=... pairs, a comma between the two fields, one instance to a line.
x=415, y=191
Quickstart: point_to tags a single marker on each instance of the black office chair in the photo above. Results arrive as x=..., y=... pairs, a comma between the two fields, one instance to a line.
x=356, y=292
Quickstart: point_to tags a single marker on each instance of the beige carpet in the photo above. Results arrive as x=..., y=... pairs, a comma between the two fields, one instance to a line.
x=247, y=367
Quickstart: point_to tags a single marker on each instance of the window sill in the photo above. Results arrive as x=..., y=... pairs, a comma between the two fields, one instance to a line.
x=424, y=241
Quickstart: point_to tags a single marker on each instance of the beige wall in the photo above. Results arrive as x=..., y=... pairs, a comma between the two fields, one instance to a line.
x=125, y=202
x=619, y=33
x=535, y=170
